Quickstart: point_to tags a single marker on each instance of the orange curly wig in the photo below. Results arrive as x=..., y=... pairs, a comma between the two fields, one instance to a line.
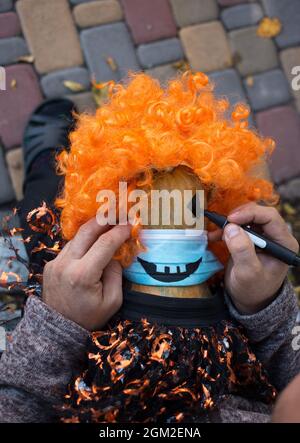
x=144, y=128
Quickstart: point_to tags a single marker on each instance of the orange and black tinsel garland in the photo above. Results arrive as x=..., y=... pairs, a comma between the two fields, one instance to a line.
x=148, y=373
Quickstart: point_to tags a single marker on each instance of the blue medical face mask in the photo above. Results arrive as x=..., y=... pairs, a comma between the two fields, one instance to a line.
x=174, y=257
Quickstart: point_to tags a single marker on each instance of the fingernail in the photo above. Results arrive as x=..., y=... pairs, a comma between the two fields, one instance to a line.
x=232, y=231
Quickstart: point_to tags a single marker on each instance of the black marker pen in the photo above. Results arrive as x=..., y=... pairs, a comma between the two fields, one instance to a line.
x=268, y=246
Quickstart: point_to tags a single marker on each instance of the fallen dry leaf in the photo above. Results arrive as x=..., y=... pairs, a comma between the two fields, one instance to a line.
x=99, y=96
x=11, y=307
x=269, y=27
x=26, y=59
x=289, y=209
x=181, y=65
x=111, y=63
x=297, y=290
x=100, y=91
x=73, y=86
x=250, y=81
x=13, y=83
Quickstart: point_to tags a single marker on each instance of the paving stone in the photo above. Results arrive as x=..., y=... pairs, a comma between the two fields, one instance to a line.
x=288, y=11
x=149, y=20
x=190, y=12
x=77, y=2
x=204, y=52
x=97, y=13
x=228, y=84
x=163, y=73
x=283, y=125
x=53, y=83
x=6, y=190
x=51, y=34
x=6, y=210
x=11, y=49
x=158, y=53
x=15, y=162
x=268, y=89
x=17, y=102
x=6, y=5
x=232, y=2
x=242, y=15
x=8, y=262
x=253, y=54
x=261, y=170
x=105, y=44
x=290, y=58
x=84, y=102
x=9, y=25
x=290, y=191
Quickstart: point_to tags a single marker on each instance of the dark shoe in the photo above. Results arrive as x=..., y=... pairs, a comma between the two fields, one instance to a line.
x=48, y=128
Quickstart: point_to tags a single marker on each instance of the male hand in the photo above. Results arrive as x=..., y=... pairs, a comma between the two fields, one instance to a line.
x=287, y=407
x=83, y=282
x=253, y=278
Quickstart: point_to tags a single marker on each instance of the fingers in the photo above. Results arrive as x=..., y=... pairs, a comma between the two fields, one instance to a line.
x=241, y=249
x=270, y=220
x=112, y=287
x=86, y=236
x=103, y=250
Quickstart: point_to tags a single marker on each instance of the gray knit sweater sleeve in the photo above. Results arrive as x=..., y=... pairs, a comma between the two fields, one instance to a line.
x=47, y=349
x=270, y=333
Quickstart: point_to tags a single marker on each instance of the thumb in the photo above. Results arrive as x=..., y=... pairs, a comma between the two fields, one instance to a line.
x=240, y=246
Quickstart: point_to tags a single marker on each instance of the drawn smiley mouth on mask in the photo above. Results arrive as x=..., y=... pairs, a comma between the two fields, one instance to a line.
x=167, y=276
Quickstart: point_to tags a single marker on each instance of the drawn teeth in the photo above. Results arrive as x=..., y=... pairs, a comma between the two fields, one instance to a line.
x=174, y=269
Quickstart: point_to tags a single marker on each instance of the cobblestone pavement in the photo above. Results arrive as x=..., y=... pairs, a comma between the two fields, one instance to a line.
x=45, y=43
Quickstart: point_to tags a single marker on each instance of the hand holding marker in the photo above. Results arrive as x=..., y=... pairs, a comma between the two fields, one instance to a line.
x=266, y=245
